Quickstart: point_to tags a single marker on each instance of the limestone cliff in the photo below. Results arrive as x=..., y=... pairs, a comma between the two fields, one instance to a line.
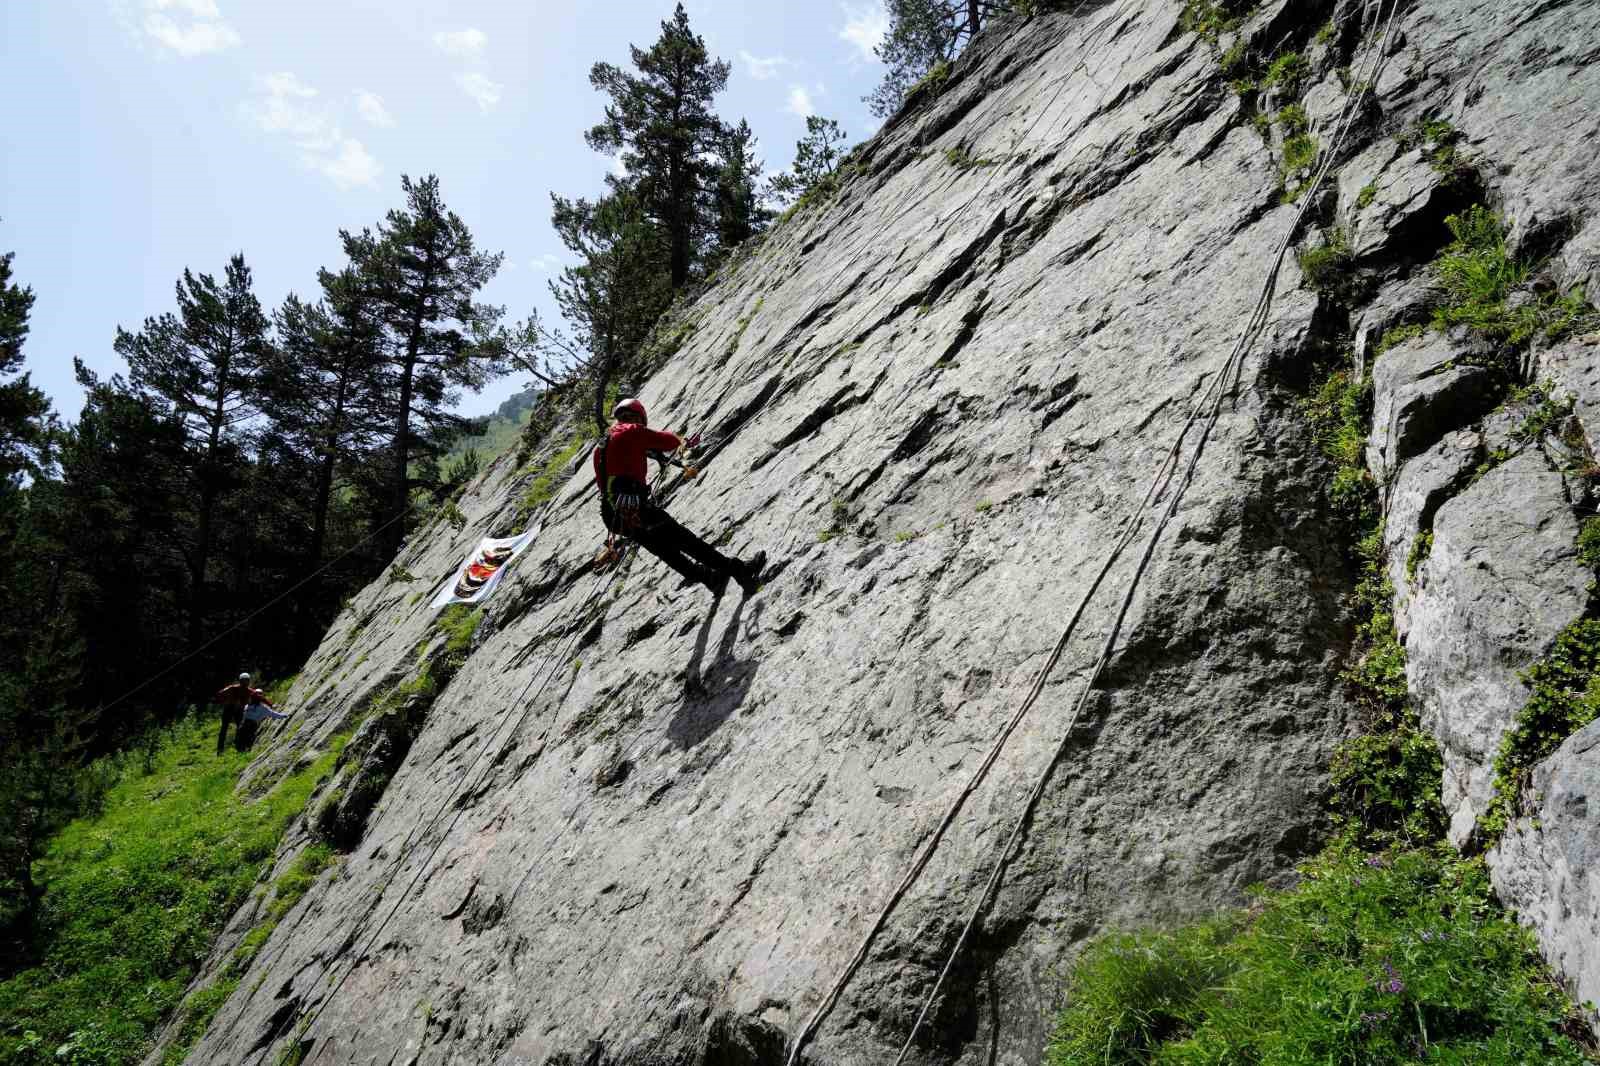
x=626, y=824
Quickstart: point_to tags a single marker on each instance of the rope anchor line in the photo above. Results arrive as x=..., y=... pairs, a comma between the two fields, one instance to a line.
x=1210, y=404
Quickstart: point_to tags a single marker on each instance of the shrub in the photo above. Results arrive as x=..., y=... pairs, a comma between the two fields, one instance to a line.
x=1288, y=73
x=1478, y=276
x=1421, y=548
x=1369, y=959
x=1565, y=698
x=1130, y=992
x=1326, y=267
x=1211, y=19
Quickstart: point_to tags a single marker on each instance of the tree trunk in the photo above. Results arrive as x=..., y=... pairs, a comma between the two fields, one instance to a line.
x=401, y=501
x=330, y=460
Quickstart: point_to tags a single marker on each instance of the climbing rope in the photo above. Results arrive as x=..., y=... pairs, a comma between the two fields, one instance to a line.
x=403, y=853
x=527, y=704
x=1211, y=404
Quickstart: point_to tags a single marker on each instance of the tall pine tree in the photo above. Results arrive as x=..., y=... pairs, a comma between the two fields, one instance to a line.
x=425, y=271
x=25, y=420
x=740, y=212
x=324, y=389
x=616, y=292
x=201, y=366
x=661, y=124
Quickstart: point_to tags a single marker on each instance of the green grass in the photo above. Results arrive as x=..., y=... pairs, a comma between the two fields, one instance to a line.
x=961, y=159
x=1209, y=19
x=459, y=623
x=1478, y=276
x=1370, y=959
x=1299, y=151
x=542, y=489
x=1565, y=698
x=931, y=82
x=1287, y=73
x=1421, y=548
x=839, y=519
x=135, y=898
x=1326, y=267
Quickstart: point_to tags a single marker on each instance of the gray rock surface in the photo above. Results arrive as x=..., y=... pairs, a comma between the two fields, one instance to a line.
x=1547, y=867
x=698, y=809
x=1421, y=392
x=1503, y=580
x=1573, y=367
x=1418, y=490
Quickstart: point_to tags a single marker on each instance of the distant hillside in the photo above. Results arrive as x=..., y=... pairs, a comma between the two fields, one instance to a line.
x=501, y=432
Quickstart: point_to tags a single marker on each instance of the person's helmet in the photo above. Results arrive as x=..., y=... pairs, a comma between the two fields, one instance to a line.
x=244, y=677
x=630, y=410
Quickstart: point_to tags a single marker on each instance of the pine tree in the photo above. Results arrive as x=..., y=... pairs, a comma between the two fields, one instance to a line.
x=618, y=290
x=660, y=122
x=923, y=34
x=201, y=367
x=816, y=159
x=25, y=419
x=424, y=270
x=325, y=391
x=740, y=212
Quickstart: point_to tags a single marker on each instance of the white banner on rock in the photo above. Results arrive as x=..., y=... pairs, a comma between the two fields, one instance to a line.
x=484, y=568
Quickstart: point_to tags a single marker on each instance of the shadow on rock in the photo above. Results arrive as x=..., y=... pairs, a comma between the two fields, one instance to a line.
x=711, y=694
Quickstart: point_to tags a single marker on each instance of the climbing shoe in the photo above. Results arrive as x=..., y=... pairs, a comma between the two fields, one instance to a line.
x=749, y=575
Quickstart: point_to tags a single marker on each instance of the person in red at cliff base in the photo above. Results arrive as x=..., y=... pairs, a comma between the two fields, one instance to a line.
x=620, y=472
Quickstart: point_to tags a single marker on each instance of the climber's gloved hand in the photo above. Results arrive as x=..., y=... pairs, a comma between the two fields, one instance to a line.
x=692, y=442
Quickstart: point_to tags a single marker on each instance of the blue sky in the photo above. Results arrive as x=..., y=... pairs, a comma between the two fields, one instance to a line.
x=146, y=136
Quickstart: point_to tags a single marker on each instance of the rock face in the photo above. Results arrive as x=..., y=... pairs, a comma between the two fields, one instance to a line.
x=1546, y=867
x=639, y=826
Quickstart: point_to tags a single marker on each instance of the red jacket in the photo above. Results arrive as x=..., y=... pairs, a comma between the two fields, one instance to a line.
x=626, y=445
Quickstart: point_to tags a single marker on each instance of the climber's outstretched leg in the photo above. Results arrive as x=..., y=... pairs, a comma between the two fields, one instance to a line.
x=665, y=538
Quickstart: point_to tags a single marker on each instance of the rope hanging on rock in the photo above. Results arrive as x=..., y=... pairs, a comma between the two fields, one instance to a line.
x=1210, y=403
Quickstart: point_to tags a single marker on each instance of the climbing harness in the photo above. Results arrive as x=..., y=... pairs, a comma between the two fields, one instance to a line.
x=1205, y=412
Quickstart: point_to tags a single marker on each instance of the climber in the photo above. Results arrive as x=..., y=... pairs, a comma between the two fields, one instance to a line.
x=246, y=708
x=626, y=507
x=233, y=699
x=259, y=710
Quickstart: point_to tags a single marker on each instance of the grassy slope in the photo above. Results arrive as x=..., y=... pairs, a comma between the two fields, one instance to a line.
x=136, y=897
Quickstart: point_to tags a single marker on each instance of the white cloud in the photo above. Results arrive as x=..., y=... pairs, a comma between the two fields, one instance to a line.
x=800, y=102
x=287, y=107
x=199, y=30
x=763, y=69
x=463, y=44
x=865, y=28
x=618, y=167
x=547, y=263
x=370, y=107
x=352, y=166
x=480, y=88
x=200, y=9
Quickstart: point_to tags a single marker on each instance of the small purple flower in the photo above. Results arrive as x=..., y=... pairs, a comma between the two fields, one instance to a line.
x=1394, y=985
x=1377, y=863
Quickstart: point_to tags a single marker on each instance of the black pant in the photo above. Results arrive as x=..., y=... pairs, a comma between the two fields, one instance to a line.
x=246, y=734
x=661, y=535
x=230, y=715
